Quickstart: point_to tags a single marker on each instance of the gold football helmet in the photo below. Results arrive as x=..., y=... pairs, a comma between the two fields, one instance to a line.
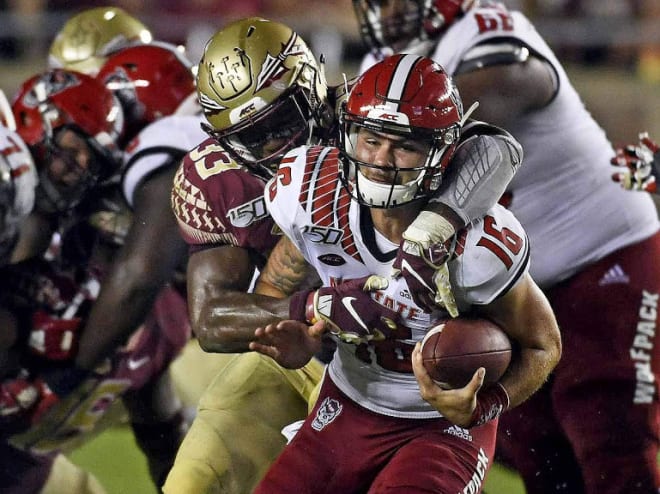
x=86, y=39
x=262, y=92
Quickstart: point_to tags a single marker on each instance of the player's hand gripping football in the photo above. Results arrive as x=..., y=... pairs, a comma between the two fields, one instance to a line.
x=641, y=163
x=422, y=261
x=469, y=406
x=348, y=310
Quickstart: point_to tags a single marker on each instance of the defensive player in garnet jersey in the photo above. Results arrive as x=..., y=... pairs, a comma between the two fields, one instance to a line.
x=263, y=94
x=592, y=243
x=380, y=423
x=72, y=124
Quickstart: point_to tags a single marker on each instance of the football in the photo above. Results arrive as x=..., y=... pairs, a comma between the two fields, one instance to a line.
x=454, y=349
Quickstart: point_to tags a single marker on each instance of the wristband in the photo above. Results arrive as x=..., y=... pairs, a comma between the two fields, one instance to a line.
x=491, y=402
x=301, y=307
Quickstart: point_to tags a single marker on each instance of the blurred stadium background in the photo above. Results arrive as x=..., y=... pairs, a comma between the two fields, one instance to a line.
x=611, y=49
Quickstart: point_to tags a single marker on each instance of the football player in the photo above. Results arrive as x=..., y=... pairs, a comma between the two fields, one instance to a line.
x=72, y=124
x=263, y=94
x=380, y=423
x=593, y=428
x=86, y=39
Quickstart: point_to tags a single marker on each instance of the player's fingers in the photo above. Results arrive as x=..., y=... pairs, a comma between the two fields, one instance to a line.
x=477, y=381
x=317, y=329
x=424, y=380
x=267, y=350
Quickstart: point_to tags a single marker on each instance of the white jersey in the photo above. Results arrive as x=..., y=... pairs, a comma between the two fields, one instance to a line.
x=18, y=180
x=156, y=145
x=563, y=194
x=336, y=236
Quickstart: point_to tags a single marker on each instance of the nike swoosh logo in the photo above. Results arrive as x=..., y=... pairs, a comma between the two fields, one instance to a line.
x=136, y=364
x=348, y=304
x=405, y=266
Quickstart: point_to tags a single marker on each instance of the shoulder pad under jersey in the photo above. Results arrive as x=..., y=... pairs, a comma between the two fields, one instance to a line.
x=492, y=254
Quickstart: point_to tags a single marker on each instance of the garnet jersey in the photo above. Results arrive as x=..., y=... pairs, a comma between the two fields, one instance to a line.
x=308, y=202
x=563, y=195
x=39, y=292
x=219, y=202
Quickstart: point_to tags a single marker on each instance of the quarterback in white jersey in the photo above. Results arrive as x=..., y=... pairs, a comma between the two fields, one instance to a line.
x=593, y=245
x=344, y=210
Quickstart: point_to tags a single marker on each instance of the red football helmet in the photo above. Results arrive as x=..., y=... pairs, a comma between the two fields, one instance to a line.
x=57, y=100
x=150, y=81
x=410, y=97
x=395, y=23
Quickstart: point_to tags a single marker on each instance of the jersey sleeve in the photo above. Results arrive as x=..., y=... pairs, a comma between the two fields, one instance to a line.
x=160, y=144
x=283, y=191
x=218, y=202
x=492, y=256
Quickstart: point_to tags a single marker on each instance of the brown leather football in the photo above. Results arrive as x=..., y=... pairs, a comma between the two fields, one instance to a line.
x=454, y=349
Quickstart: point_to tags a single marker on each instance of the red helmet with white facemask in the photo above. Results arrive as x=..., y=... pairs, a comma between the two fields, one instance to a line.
x=408, y=97
x=395, y=23
x=59, y=100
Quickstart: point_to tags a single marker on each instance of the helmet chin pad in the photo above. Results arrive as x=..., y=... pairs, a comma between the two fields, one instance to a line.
x=382, y=195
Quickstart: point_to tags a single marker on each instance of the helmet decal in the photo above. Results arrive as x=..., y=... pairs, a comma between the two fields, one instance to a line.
x=273, y=67
x=226, y=80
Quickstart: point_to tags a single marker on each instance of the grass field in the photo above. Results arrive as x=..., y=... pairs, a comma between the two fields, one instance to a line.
x=121, y=468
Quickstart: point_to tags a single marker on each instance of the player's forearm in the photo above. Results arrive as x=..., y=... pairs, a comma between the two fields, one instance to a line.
x=528, y=372
x=531, y=324
x=122, y=306
x=226, y=323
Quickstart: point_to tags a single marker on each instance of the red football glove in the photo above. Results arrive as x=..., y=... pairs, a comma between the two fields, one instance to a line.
x=54, y=339
x=348, y=309
x=642, y=163
x=422, y=261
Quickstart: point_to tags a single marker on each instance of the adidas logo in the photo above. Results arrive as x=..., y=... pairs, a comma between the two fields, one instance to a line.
x=615, y=274
x=457, y=431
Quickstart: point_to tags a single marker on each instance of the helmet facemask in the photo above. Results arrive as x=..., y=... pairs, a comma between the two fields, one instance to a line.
x=406, y=25
x=397, y=28
x=260, y=140
x=405, y=185
x=63, y=180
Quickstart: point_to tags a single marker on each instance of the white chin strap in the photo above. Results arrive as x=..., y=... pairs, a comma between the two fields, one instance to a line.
x=386, y=195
